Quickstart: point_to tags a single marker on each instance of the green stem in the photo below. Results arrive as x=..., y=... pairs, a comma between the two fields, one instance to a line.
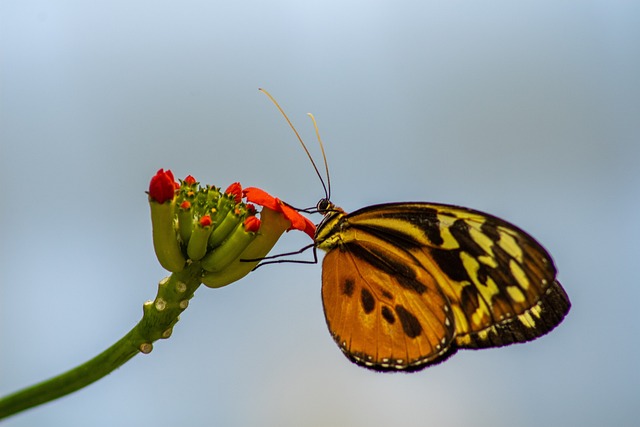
x=157, y=322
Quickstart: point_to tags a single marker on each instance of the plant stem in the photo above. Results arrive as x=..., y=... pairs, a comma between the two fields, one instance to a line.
x=160, y=315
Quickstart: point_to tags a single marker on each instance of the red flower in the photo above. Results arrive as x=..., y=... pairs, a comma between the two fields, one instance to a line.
x=189, y=180
x=235, y=190
x=262, y=198
x=251, y=224
x=205, y=221
x=163, y=186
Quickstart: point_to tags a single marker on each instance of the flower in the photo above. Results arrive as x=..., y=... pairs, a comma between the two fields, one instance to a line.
x=163, y=186
x=205, y=221
x=235, y=190
x=262, y=198
x=221, y=231
x=251, y=224
x=189, y=180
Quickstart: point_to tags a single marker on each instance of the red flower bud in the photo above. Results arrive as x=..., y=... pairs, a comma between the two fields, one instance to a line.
x=185, y=205
x=235, y=190
x=163, y=186
x=189, y=180
x=205, y=221
x=252, y=224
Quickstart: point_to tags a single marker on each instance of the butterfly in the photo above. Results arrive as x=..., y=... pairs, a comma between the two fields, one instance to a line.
x=405, y=285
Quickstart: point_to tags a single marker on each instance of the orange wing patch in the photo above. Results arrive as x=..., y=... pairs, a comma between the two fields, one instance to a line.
x=386, y=317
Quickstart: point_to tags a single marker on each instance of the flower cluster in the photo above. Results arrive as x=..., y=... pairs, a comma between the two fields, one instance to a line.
x=194, y=223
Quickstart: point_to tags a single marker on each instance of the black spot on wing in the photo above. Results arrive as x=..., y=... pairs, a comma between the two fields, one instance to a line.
x=367, y=300
x=410, y=324
x=348, y=287
x=450, y=263
x=460, y=231
x=403, y=273
x=483, y=273
x=386, y=294
x=469, y=299
x=429, y=223
x=412, y=284
x=387, y=315
x=501, y=275
x=490, y=230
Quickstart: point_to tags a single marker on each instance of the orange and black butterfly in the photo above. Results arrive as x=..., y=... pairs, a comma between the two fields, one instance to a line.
x=405, y=285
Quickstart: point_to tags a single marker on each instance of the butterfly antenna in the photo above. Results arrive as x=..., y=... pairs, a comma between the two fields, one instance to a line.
x=326, y=191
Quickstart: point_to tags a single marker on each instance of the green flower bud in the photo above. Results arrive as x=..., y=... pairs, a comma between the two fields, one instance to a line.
x=165, y=239
x=273, y=224
x=185, y=221
x=230, y=249
x=197, y=246
x=224, y=227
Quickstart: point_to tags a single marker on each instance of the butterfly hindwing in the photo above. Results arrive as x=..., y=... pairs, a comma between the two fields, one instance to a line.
x=384, y=311
x=487, y=283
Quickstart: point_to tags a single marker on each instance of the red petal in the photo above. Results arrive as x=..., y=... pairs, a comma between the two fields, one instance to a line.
x=309, y=228
x=298, y=222
x=261, y=197
x=170, y=176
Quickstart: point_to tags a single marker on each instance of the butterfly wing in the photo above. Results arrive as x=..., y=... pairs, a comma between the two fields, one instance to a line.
x=383, y=312
x=407, y=284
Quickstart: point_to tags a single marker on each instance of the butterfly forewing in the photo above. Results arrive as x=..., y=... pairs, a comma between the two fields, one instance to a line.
x=406, y=284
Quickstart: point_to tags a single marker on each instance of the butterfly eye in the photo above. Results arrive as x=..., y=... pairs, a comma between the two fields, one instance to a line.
x=323, y=206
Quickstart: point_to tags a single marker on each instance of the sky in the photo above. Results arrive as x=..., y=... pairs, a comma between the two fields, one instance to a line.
x=525, y=110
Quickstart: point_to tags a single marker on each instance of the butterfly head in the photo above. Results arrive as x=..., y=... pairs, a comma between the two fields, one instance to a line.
x=324, y=206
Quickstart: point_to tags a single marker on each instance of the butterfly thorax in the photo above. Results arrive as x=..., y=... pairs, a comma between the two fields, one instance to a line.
x=330, y=231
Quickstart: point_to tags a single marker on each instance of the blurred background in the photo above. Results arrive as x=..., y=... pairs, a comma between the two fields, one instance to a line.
x=526, y=110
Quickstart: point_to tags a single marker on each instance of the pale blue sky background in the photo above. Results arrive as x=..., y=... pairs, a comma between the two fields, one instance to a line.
x=528, y=110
